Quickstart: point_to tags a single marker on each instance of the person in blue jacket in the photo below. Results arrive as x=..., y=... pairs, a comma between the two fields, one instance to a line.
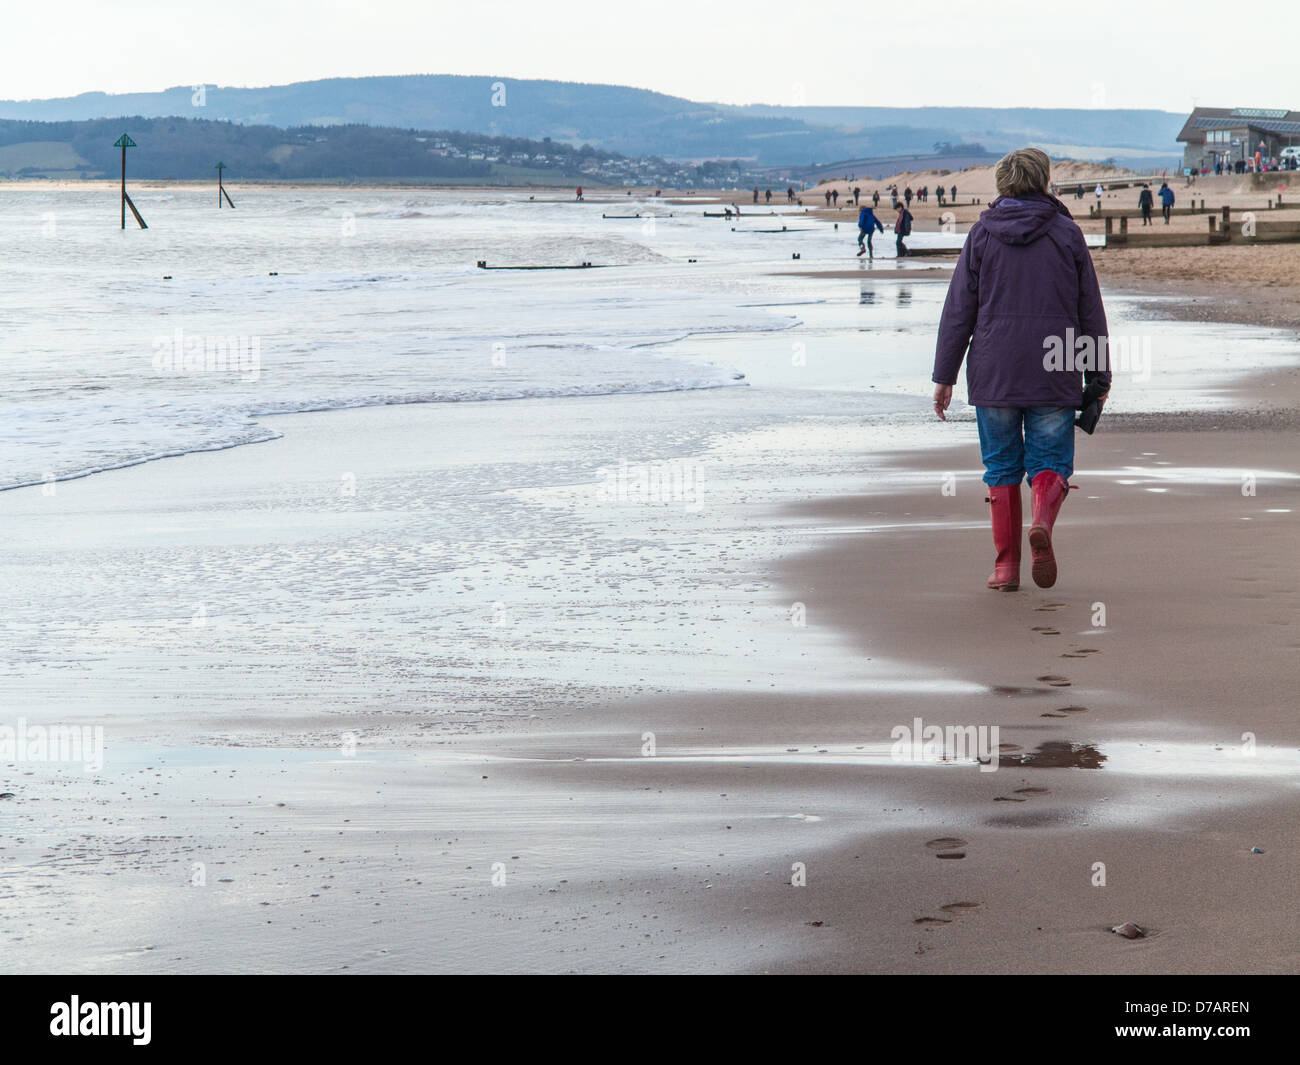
x=868, y=223
x=1166, y=200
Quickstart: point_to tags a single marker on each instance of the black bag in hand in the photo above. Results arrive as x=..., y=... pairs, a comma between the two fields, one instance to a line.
x=1088, y=417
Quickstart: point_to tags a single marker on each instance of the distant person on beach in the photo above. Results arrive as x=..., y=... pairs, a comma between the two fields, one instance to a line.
x=856, y=193
x=902, y=228
x=1166, y=200
x=907, y=195
x=828, y=197
x=1099, y=191
x=868, y=223
x=1146, y=201
x=789, y=194
x=938, y=195
x=835, y=196
x=767, y=196
x=954, y=193
x=756, y=194
x=1023, y=297
x=579, y=192
x=875, y=198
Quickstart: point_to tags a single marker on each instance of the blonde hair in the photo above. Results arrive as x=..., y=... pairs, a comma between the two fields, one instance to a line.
x=1023, y=171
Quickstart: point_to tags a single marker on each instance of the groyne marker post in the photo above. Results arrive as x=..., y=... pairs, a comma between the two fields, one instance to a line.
x=124, y=142
x=221, y=189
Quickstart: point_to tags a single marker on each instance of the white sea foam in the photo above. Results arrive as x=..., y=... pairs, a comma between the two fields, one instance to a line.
x=371, y=296
x=370, y=300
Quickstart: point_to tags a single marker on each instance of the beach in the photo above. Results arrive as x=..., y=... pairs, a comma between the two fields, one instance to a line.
x=477, y=674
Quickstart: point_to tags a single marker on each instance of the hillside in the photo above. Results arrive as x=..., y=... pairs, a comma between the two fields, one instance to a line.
x=189, y=149
x=637, y=121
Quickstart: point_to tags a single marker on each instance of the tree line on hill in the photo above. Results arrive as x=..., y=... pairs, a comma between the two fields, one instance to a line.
x=189, y=149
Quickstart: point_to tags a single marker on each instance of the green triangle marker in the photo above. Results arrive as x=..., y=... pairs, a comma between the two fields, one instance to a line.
x=124, y=142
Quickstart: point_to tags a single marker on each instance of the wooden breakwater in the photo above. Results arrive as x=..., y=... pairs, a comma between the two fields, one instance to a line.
x=1248, y=227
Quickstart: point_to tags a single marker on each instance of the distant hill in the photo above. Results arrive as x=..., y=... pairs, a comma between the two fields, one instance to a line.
x=190, y=148
x=639, y=122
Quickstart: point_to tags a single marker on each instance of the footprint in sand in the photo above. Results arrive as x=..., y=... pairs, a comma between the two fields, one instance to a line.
x=1021, y=792
x=1048, y=607
x=1006, y=689
x=1065, y=711
x=1055, y=681
x=949, y=847
x=1081, y=652
x=932, y=920
x=1046, y=630
x=959, y=908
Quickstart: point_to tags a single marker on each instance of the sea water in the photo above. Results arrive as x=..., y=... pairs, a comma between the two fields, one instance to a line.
x=122, y=346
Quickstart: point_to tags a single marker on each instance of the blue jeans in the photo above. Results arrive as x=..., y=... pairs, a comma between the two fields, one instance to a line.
x=1016, y=442
x=866, y=234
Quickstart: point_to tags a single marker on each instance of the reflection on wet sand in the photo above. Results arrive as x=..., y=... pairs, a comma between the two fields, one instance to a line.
x=1056, y=754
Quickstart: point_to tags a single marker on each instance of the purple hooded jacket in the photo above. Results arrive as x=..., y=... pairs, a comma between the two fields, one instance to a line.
x=1024, y=280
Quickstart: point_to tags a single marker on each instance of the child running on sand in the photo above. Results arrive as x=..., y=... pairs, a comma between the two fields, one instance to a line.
x=868, y=223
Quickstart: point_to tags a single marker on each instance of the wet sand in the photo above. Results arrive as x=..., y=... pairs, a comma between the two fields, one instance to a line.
x=611, y=742
x=1202, y=603
x=231, y=830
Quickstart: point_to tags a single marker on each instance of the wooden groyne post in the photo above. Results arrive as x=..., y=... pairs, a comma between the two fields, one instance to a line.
x=124, y=142
x=221, y=189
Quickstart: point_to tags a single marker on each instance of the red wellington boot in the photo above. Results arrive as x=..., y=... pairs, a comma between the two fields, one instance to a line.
x=1050, y=489
x=1004, y=506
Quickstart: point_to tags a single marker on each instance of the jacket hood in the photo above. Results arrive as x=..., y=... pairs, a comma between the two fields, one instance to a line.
x=1024, y=219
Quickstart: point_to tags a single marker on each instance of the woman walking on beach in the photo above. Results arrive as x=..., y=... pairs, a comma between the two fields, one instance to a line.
x=1024, y=299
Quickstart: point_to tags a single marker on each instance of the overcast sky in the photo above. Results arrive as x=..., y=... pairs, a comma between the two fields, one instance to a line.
x=913, y=52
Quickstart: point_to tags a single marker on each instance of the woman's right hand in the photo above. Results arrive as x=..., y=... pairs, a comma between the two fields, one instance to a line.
x=942, y=397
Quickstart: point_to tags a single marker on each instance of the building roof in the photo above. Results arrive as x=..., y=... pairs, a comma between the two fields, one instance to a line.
x=1263, y=119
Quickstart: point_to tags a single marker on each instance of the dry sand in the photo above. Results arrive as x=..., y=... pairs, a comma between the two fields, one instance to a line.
x=1251, y=284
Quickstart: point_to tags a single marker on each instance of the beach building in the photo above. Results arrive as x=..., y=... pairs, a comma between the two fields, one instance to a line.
x=1231, y=135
